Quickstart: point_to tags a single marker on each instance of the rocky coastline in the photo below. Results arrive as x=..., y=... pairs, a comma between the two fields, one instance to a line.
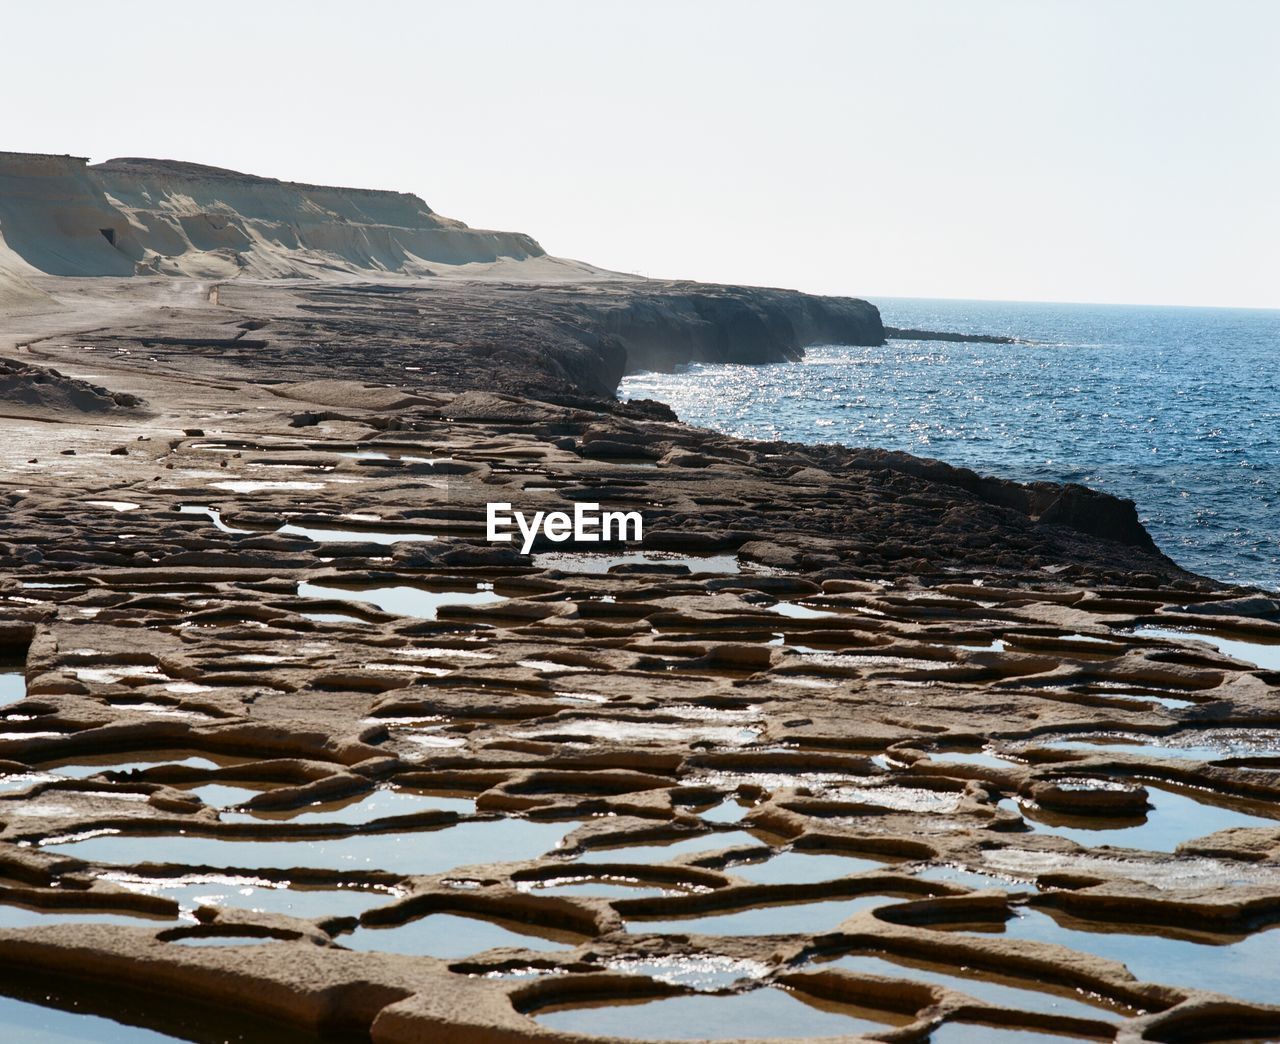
x=289, y=739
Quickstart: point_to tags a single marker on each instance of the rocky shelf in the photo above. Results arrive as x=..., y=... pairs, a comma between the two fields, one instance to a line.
x=853, y=743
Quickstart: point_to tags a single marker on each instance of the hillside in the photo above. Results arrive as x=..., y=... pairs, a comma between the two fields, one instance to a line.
x=61, y=216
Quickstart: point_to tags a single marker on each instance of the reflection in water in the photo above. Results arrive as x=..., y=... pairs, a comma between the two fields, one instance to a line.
x=766, y=1012
x=448, y=935
x=401, y=600
x=404, y=852
x=1024, y=994
x=1239, y=967
x=780, y=918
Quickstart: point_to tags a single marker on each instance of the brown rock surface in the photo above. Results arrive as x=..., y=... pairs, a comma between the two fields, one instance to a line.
x=250, y=711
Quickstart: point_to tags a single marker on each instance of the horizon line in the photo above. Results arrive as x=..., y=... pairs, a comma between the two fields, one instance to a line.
x=1091, y=304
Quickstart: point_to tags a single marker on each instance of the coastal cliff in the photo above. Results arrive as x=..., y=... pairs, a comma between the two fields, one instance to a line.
x=61, y=216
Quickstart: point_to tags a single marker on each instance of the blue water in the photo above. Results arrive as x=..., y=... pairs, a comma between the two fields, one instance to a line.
x=1177, y=409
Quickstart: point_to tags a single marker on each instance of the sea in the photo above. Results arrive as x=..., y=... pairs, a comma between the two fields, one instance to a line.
x=1177, y=409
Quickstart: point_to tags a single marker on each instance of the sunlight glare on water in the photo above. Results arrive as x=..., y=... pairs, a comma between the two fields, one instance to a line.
x=1177, y=409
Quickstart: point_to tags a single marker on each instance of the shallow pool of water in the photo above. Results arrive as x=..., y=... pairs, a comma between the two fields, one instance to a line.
x=766, y=1012
x=405, y=852
x=639, y=732
x=15, y=916
x=797, y=867
x=596, y=562
x=780, y=918
x=214, y=515
x=355, y=536
x=400, y=600
x=731, y=810
x=379, y=455
x=598, y=887
x=221, y=795
x=1140, y=697
x=1023, y=994
x=342, y=618
x=1261, y=654
x=319, y=534
x=13, y=687
x=984, y=1033
x=1222, y=743
x=696, y=972
x=261, y=486
x=796, y=611
x=1175, y=817
x=661, y=851
x=251, y=893
x=223, y=940
x=968, y=878
x=1244, y=968
x=94, y=764
x=364, y=808
x=28, y=1023
x=15, y=781
x=448, y=935
x=983, y=759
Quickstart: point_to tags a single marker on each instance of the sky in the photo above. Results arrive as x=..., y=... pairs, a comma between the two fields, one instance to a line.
x=1059, y=150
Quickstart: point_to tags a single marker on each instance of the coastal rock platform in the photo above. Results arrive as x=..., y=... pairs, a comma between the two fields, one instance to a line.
x=918, y=752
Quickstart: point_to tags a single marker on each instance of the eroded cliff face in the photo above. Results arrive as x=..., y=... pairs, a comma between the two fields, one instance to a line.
x=61, y=216
x=666, y=325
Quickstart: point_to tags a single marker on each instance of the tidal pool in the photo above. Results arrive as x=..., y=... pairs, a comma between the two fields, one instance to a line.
x=1142, y=696
x=620, y=730
x=771, y=1011
x=968, y=878
x=220, y=795
x=95, y=764
x=224, y=940
x=214, y=515
x=812, y=916
x=661, y=851
x=334, y=618
x=598, y=887
x=14, y=916
x=402, y=852
x=355, y=536
x=797, y=611
x=256, y=486
x=400, y=600
x=1023, y=994
x=597, y=562
x=364, y=808
x=449, y=935
x=319, y=534
x=114, y=505
x=730, y=810
x=797, y=867
x=1261, y=654
x=984, y=1033
x=13, y=687
x=1221, y=743
x=1175, y=817
x=15, y=781
x=1239, y=967
x=379, y=455
x=192, y=891
x=697, y=972
x=983, y=759
x=30, y=1023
